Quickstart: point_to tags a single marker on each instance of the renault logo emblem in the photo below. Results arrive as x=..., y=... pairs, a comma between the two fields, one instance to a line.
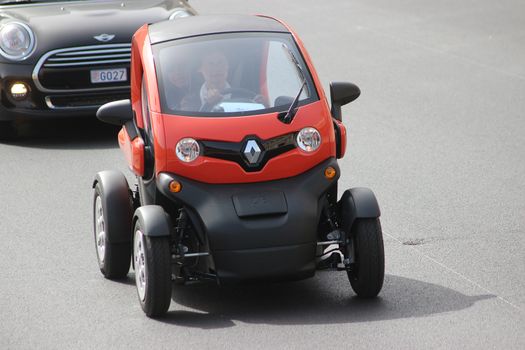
x=104, y=37
x=252, y=151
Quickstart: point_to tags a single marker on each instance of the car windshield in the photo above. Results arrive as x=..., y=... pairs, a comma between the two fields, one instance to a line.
x=231, y=74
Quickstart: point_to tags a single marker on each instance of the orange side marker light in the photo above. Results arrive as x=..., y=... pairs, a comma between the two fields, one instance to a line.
x=330, y=173
x=175, y=186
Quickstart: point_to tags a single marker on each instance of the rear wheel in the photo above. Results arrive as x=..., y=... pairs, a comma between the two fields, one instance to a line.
x=112, y=213
x=113, y=258
x=368, y=271
x=152, y=261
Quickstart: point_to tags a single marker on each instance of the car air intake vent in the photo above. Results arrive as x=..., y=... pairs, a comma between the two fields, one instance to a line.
x=88, y=56
x=84, y=100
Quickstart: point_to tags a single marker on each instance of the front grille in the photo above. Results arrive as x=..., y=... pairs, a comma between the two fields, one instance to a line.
x=233, y=151
x=69, y=69
x=89, y=55
x=83, y=101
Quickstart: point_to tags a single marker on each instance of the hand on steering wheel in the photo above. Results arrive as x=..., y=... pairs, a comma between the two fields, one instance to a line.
x=239, y=92
x=244, y=95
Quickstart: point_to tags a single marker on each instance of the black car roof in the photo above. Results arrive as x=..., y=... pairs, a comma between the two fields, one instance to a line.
x=202, y=25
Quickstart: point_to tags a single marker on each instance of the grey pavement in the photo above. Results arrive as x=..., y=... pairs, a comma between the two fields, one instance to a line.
x=439, y=135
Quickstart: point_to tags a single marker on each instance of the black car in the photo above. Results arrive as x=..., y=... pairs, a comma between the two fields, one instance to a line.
x=67, y=58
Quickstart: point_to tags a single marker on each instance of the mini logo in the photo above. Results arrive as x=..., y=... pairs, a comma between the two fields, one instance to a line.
x=252, y=151
x=104, y=37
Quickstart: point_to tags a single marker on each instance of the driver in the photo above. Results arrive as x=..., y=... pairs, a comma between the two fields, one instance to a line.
x=214, y=69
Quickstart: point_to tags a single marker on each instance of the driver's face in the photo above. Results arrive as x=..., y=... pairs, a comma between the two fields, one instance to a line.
x=214, y=68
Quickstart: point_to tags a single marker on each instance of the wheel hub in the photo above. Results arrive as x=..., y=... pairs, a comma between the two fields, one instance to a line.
x=100, y=230
x=140, y=264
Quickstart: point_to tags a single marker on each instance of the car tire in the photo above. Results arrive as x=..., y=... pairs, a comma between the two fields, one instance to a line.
x=113, y=258
x=368, y=270
x=152, y=261
x=8, y=131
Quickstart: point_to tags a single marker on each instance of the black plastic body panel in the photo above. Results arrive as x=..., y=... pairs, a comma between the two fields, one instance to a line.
x=257, y=204
x=357, y=203
x=258, y=246
x=233, y=151
x=117, y=204
x=153, y=220
x=337, y=131
x=276, y=263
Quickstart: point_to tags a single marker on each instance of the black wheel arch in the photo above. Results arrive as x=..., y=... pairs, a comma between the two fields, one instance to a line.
x=154, y=221
x=117, y=203
x=357, y=203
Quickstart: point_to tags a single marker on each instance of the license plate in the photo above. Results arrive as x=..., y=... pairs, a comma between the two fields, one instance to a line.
x=253, y=204
x=109, y=75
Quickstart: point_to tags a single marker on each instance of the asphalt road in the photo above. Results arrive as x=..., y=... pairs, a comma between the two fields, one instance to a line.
x=438, y=134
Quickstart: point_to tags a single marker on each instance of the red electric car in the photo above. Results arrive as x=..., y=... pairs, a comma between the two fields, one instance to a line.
x=235, y=148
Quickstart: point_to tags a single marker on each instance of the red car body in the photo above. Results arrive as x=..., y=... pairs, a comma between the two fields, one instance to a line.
x=236, y=183
x=210, y=170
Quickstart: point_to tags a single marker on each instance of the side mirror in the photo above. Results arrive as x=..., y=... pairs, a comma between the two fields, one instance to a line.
x=116, y=112
x=342, y=93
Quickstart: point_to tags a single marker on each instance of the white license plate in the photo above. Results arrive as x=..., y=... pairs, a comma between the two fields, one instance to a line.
x=109, y=75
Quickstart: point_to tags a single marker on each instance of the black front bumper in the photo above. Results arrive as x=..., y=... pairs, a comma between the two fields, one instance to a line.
x=45, y=105
x=258, y=230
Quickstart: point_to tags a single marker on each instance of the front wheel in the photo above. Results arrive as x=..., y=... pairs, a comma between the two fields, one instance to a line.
x=368, y=271
x=152, y=271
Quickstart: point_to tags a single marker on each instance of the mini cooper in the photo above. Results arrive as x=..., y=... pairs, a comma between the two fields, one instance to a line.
x=67, y=58
x=235, y=150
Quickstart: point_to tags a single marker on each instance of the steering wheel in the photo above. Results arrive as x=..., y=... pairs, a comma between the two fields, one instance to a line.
x=239, y=94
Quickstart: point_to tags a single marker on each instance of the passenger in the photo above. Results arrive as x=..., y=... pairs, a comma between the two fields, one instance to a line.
x=179, y=79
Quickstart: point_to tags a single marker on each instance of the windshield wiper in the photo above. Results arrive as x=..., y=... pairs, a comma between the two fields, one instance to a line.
x=290, y=114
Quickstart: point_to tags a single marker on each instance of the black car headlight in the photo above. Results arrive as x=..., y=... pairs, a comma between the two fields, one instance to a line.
x=17, y=41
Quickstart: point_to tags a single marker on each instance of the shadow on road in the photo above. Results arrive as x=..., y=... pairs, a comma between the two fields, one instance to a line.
x=74, y=133
x=326, y=299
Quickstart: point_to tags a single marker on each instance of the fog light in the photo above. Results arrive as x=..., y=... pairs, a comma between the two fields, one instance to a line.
x=19, y=91
x=175, y=186
x=330, y=173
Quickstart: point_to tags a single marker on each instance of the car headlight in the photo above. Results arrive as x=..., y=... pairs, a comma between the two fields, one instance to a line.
x=17, y=41
x=308, y=139
x=180, y=13
x=187, y=150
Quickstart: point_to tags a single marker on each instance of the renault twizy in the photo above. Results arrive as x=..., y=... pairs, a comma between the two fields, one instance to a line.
x=234, y=147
